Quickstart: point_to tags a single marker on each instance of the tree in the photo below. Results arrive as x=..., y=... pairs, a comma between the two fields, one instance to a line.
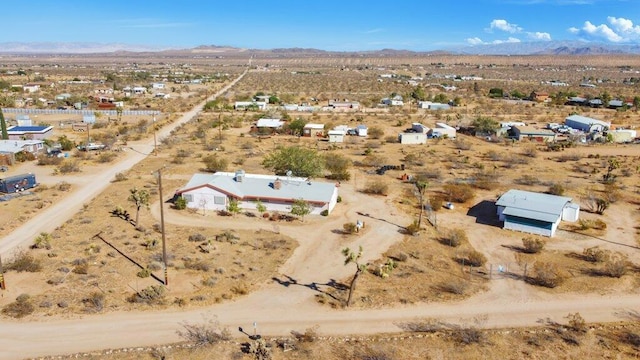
x=440, y=98
x=418, y=93
x=496, y=93
x=375, y=132
x=636, y=102
x=233, y=206
x=485, y=125
x=300, y=208
x=65, y=143
x=141, y=199
x=353, y=257
x=605, y=97
x=421, y=187
x=296, y=126
x=260, y=206
x=338, y=166
x=3, y=127
x=300, y=161
x=612, y=164
x=214, y=163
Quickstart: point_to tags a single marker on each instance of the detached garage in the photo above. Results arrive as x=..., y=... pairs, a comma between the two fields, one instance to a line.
x=535, y=213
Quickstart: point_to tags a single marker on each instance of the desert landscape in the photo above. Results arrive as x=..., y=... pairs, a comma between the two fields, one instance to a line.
x=413, y=261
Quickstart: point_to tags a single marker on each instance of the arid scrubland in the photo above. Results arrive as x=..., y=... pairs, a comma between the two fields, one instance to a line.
x=454, y=254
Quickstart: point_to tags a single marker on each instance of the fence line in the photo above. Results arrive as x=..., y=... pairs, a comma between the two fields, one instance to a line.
x=78, y=112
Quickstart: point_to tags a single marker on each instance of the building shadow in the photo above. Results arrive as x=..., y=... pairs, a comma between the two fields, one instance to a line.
x=485, y=213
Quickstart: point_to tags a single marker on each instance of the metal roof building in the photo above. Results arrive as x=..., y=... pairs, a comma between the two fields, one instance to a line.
x=586, y=124
x=535, y=213
x=277, y=193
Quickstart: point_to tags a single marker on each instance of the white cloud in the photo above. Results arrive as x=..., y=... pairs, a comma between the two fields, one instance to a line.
x=504, y=25
x=601, y=31
x=509, y=40
x=541, y=36
x=619, y=30
x=625, y=27
x=475, y=41
x=373, y=31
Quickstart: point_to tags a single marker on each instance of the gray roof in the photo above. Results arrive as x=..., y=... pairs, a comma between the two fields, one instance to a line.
x=586, y=120
x=532, y=205
x=255, y=186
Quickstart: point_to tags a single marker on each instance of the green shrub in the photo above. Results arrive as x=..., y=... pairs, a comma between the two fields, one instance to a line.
x=153, y=294
x=180, y=203
x=532, y=245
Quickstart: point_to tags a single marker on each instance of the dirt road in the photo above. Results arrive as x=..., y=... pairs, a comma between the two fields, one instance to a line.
x=278, y=308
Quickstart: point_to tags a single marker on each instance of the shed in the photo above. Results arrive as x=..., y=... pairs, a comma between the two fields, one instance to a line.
x=586, y=124
x=361, y=130
x=313, y=130
x=535, y=213
x=412, y=138
x=443, y=129
x=623, y=135
x=532, y=133
x=336, y=136
x=24, y=120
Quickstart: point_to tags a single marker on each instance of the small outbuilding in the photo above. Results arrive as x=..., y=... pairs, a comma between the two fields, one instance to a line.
x=412, y=138
x=533, y=134
x=336, y=136
x=313, y=130
x=535, y=213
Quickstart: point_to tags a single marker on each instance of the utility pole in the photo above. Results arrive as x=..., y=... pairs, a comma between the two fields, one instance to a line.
x=88, y=136
x=155, y=144
x=164, y=240
x=3, y=285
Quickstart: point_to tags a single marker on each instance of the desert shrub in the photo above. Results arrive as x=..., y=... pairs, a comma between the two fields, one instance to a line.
x=324, y=212
x=376, y=187
x=120, y=177
x=391, y=139
x=206, y=333
x=19, y=308
x=211, y=281
x=68, y=166
x=615, y=266
x=240, y=289
x=459, y=193
x=432, y=174
x=42, y=241
x=349, y=228
x=153, y=294
x=309, y=335
x=197, y=238
x=214, y=163
x=81, y=268
x=597, y=224
x=24, y=261
x=95, y=301
x=469, y=335
x=413, y=228
x=475, y=258
x=595, y=254
x=47, y=160
x=201, y=265
x=546, y=274
x=530, y=151
x=106, y=157
x=455, y=237
x=375, y=132
x=576, y=323
x=556, y=189
x=454, y=286
x=532, y=244
x=144, y=273
x=527, y=180
x=461, y=144
x=436, y=203
x=63, y=186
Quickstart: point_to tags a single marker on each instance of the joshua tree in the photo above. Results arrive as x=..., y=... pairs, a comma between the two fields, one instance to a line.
x=352, y=257
x=140, y=198
x=3, y=127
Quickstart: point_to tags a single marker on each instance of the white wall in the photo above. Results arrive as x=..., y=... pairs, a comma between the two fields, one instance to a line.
x=413, y=138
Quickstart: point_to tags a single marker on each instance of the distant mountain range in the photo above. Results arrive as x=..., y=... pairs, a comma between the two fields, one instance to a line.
x=521, y=48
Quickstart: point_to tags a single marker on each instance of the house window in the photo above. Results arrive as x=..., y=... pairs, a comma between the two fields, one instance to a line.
x=219, y=200
x=187, y=197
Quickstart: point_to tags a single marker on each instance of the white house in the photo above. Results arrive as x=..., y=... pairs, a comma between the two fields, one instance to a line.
x=243, y=105
x=336, y=136
x=276, y=193
x=535, y=213
x=394, y=101
x=16, y=146
x=31, y=88
x=158, y=85
x=412, y=138
x=433, y=106
x=269, y=123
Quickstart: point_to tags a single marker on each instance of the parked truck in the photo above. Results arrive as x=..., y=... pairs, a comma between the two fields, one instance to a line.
x=17, y=183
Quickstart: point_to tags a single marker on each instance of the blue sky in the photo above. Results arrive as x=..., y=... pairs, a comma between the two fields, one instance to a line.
x=323, y=24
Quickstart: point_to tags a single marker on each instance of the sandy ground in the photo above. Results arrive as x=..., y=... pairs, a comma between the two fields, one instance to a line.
x=287, y=304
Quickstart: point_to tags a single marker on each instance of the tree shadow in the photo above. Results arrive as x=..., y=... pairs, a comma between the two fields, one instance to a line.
x=518, y=249
x=380, y=219
x=485, y=213
x=332, y=283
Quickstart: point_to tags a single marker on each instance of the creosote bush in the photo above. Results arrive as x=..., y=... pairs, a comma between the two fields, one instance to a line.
x=546, y=274
x=376, y=187
x=532, y=244
x=19, y=308
x=459, y=193
x=206, y=333
x=24, y=261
